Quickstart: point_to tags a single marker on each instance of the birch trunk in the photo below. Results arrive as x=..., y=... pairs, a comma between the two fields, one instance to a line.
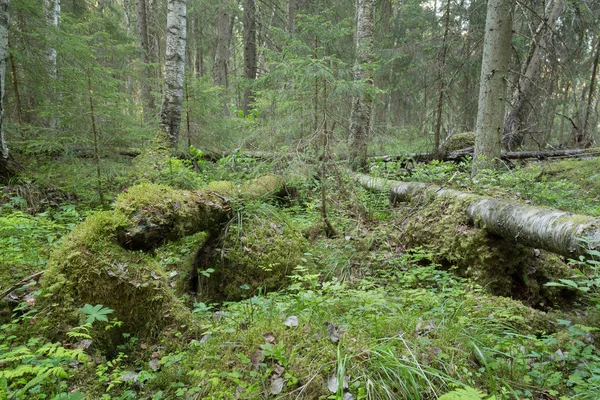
x=250, y=59
x=170, y=116
x=52, y=17
x=360, y=118
x=560, y=232
x=492, y=89
x=521, y=101
x=4, y=20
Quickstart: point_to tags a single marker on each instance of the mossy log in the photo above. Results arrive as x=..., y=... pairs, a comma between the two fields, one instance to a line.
x=560, y=232
x=461, y=154
x=158, y=213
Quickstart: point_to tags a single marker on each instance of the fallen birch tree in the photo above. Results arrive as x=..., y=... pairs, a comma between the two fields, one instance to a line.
x=560, y=232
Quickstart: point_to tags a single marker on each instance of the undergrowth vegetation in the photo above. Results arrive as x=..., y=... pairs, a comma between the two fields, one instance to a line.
x=361, y=316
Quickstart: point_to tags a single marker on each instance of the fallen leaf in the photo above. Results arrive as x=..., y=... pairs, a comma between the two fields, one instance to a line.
x=278, y=370
x=332, y=332
x=154, y=364
x=84, y=344
x=156, y=355
x=256, y=358
x=143, y=346
x=276, y=385
x=291, y=321
x=269, y=338
x=306, y=328
x=348, y=396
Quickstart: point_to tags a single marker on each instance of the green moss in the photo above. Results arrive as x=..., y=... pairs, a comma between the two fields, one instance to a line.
x=256, y=254
x=459, y=141
x=502, y=267
x=224, y=188
x=90, y=267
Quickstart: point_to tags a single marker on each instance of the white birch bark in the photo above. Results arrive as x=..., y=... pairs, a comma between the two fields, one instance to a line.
x=4, y=19
x=52, y=19
x=170, y=116
x=360, y=118
x=557, y=231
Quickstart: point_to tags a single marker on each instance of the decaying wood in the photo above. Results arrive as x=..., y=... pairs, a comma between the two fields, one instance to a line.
x=23, y=282
x=560, y=232
x=187, y=212
x=507, y=156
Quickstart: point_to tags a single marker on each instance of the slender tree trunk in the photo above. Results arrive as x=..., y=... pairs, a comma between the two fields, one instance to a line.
x=52, y=18
x=170, y=116
x=492, y=90
x=15, y=81
x=521, y=101
x=360, y=118
x=250, y=58
x=144, y=44
x=441, y=81
x=221, y=61
x=291, y=16
x=4, y=23
x=590, y=99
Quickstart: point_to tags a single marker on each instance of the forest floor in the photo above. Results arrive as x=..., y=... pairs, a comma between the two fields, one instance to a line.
x=364, y=314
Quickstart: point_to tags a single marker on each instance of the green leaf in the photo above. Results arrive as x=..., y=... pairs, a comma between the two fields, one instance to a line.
x=468, y=393
x=95, y=313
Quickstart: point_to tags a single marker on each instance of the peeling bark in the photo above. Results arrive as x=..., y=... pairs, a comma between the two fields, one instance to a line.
x=560, y=232
x=170, y=116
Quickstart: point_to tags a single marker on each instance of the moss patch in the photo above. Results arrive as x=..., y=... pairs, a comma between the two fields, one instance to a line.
x=459, y=141
x=90, y=267
x=504, y=268
x=257, y=253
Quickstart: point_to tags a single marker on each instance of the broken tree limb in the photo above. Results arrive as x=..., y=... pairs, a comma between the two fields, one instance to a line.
x=560, y=232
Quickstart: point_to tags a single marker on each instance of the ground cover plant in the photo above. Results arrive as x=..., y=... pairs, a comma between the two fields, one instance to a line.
x=360, y=316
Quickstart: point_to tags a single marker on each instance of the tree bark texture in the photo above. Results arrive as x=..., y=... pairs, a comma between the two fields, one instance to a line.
x=52, y=18
x=170, y=116
x=221, y=60
x=141, y=26
x=4, y=21
x=521, y=100
x=492, y=89
x=560, y=232
x=441, y=82
x=360, y=118
x=590, y=99
x=250, y=55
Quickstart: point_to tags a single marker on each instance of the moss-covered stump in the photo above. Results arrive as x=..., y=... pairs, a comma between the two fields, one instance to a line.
x=502, y=267
x=257, y=253
x=90, y=267
x=459, y=141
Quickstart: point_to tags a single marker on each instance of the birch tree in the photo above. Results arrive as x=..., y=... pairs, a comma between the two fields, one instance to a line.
x=360, y=118
x=170, y=116
x=492, y=89
x=3, y=55
x=52, y=16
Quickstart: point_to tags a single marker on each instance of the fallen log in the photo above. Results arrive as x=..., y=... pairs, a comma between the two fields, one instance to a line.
x=560, y=232
x=460, y=155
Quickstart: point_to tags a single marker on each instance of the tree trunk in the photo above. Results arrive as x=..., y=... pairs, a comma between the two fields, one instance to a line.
x=250, y=59
x=560, y=232
x=441, y=82
x=360, y=117
x=170, y=116
x=492, y=90
x=291, y=16
x=521, y=101
x=590, y=99
x=52, y=16
x=144, y=43
x=221, y=60
x=4, y=23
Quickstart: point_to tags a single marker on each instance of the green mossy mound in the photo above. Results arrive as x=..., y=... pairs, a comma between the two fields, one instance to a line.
x=91, y=268
x=257, y=253
x=504, y=268
x=158, y=213
x=459, y=141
